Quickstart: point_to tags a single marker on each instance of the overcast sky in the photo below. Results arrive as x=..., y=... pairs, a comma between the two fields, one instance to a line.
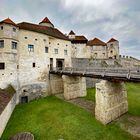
x=103, y=19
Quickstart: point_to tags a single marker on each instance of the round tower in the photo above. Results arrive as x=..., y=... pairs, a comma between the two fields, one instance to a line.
x=8, y=53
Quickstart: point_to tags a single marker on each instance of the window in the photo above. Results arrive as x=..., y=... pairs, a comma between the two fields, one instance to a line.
x=65, y=52
x=111, y=45
x=36, y=39
x=33, y=65
x=1, y=43
x=111, y=51
x=2, y=66
x=1, y=27
x=95, y=54
x=14, y=45
x=46, y=49
x=14, y=29
x=56, y=51
x=30, y=48
x=25, y=37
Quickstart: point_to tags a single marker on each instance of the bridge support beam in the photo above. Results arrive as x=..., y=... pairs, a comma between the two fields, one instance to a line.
x=74, y=86
x=111, y=101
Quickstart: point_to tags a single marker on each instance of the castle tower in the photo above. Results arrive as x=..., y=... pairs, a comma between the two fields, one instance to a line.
x=113, y=48
x=8, y=52
x=46, y=22
x=71, y=35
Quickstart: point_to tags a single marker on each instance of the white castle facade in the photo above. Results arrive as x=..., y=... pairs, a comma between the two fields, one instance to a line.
x=28, y=51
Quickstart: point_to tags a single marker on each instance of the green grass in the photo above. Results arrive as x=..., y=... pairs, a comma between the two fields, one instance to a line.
x=133, y=90
x=52, y=119
x=90, y=94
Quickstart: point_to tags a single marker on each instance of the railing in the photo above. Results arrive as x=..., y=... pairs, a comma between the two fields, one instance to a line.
x=105, y=70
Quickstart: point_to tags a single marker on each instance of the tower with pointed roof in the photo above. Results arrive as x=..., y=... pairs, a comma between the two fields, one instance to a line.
x=113, y=48
x=9, y=32
x=46, y=22
x=71, y=35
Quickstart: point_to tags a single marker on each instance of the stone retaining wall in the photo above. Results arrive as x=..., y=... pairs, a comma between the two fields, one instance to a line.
x=6, y=114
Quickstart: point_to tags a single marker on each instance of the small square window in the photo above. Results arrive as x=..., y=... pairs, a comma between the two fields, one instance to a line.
x=2, y=66
x=65, y=52
x=14, y=29
x=1, y=43
x=56, y=51
x=1, y=27
x=111, y=45
x=25, y=37
x=14, y=45
x=36, y=39
x=33, y=65
x=31, y=48
x=46, y=49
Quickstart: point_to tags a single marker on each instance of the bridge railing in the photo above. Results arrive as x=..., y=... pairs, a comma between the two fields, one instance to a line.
x=99, y=70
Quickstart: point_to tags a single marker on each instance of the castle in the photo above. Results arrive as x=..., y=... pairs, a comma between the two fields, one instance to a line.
x=28, y=51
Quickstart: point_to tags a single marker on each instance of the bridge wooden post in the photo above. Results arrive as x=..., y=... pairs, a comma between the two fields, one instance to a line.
x=74, y=86
x=111, y=101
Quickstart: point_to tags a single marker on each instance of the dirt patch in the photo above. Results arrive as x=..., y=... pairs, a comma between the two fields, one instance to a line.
x=131, y=124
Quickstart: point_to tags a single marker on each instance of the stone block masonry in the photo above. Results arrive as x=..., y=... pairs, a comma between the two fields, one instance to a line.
x=56, y=84
x=111, y=101
x=74, y=87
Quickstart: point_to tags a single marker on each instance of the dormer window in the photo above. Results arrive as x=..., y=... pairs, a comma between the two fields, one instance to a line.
x=1, y=43
x=14, y=29
x=1, y=27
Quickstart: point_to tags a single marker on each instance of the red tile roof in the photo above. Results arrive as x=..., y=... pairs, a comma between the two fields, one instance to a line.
x=45, y=20
x=96, y=42
x=112, y=40
x=71, y=33
x=42, y=29
x=8, y=21
x=79, y=39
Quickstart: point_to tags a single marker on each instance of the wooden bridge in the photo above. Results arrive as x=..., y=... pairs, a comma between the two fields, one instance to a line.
x=111, y=94
x=110, y=74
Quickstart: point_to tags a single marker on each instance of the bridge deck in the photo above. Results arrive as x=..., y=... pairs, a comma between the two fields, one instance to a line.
x=113, y=74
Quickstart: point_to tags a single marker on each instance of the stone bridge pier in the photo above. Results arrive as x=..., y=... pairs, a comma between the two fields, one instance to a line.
x=111, y=101
x=74, y=86
x=71, y=86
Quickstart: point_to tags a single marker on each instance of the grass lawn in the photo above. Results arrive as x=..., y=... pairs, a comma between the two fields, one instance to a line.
x=53, y=119
x=133, y=98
